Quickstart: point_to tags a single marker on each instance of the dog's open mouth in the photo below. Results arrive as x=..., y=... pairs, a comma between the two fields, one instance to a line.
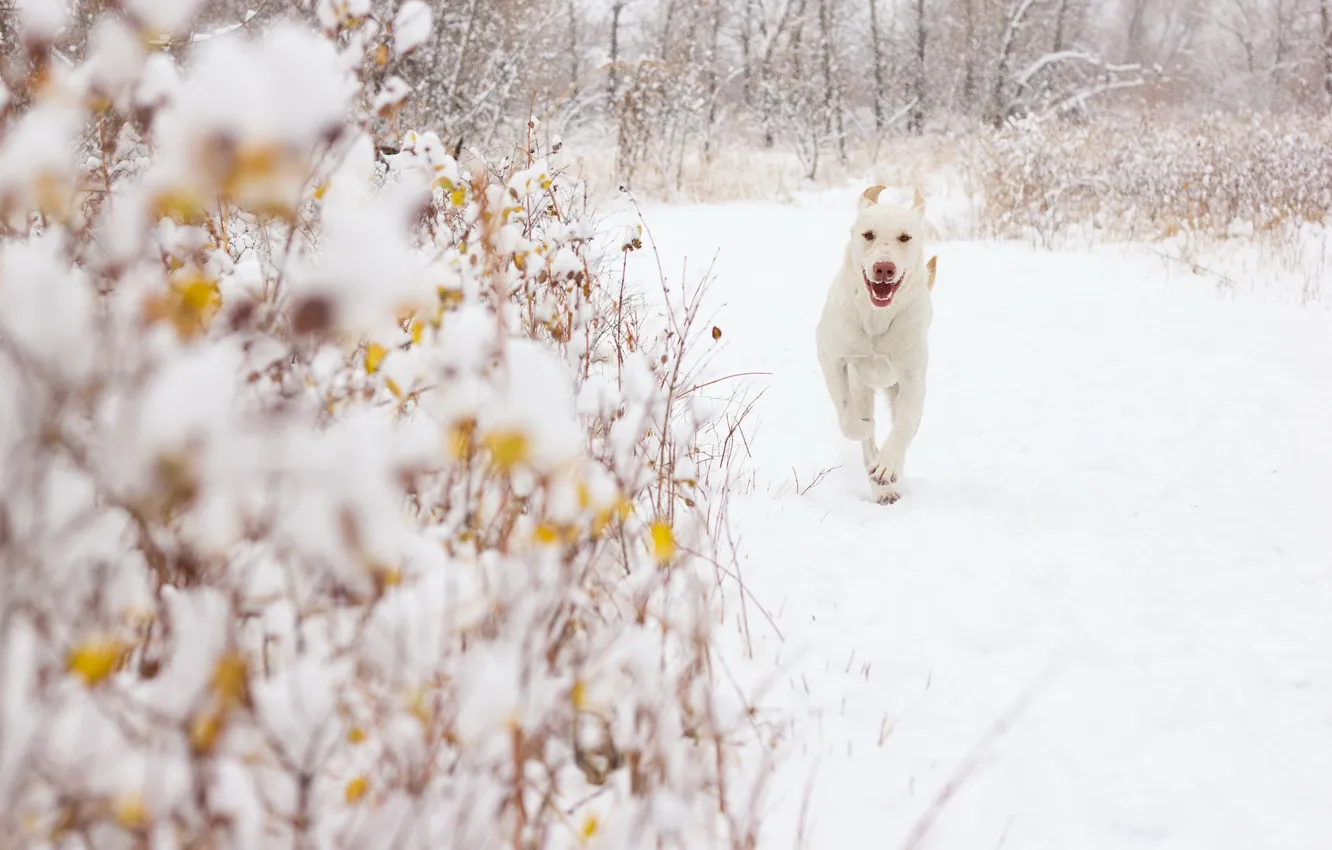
x=881, y=294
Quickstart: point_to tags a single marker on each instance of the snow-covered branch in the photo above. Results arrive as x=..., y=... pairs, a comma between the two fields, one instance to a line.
x=345, y=500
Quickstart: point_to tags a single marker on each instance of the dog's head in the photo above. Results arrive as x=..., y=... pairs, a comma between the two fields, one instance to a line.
x=886, y=245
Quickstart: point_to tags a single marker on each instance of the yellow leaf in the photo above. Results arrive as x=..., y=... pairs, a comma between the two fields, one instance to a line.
x=590, y=827
x=374, y=355
x=460, y=439
x=193, y=301
x=252, y=163
x=621, y=510
x=449, y=297
x=175, y=484
x=96, y=658
x=382, y=55
x=663, y=541
x=417, y=707
x=198, y=293
x=418, y=331
x=578, y=696
x=320, y=190
x=356, y=790
x=183, y=205
x=52, y=192
x=393, y=387
x=30, y=823
x=204, y=729
x=457, y=196
x=584, y=496
x=507, y=448
x=229, y=678
x=130, y=812
x=387, y=577
x=546, y=534
x=355, y=735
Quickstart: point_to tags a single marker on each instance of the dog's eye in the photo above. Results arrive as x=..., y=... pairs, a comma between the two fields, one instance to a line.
x=904, y=238
x=869, y=235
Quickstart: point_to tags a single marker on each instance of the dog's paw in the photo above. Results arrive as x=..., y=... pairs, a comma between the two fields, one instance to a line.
x=885, y=494
x=883, y=472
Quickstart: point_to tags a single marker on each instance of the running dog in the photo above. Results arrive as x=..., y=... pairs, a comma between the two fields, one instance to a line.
x=871, y=336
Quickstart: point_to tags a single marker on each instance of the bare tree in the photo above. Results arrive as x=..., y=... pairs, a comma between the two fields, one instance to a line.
x=999, y=98
x=1325, y=30
x=917, y=121
x=613, y=77
x=834, y=121
x=876, y=48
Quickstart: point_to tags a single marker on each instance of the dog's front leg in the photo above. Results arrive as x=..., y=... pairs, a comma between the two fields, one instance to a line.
x=849, y=419
x=908, y=408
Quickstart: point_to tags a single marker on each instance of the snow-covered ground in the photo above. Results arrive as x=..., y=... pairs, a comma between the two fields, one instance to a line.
x=1119, y=506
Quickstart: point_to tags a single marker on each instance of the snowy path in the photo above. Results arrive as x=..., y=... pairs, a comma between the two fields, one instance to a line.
x=1121, y=479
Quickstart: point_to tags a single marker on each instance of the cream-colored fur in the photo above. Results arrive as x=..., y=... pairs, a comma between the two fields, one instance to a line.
x=866, y=349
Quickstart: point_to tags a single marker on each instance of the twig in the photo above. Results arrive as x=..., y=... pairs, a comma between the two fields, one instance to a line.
x=706, y=384
x=963, y=771
x=817, y=478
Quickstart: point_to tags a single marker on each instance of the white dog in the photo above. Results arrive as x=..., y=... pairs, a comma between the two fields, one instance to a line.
x=872, y=334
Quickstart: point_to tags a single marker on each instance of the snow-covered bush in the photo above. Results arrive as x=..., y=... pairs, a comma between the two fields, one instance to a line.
x=343, y=500
x=1151, y=176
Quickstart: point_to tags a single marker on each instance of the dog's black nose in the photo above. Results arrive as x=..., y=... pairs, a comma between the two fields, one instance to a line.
x=885, y=271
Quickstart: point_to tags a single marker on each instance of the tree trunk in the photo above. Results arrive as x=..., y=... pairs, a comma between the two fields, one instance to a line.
x=917, y=122
x=876, y=45
x=574, y=70
x=970, y=50
x=613, y=82
x=1060, y=24
x=747, y=53
x=1325, y=11
x=1281, y=42
x=831, y=112
x=1137, y=49
x=713, y=80
x=999, y=102
x=666, y=29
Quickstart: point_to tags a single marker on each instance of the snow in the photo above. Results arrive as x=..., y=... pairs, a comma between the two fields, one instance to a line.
x=43, y=19
x=163, y=16
x=44, y=307
x=391, y=96
x=411, y=27
x=39, y=145
x=1117, y=507
x=116, y=58
x=334, y=13
x=230, y=90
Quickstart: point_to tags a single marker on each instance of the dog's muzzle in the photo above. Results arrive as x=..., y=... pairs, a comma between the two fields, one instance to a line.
x=881, y=292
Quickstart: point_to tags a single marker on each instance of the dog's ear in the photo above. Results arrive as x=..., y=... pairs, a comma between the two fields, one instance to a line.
x=919, y=203
x=870, y=196
x=931, y=267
